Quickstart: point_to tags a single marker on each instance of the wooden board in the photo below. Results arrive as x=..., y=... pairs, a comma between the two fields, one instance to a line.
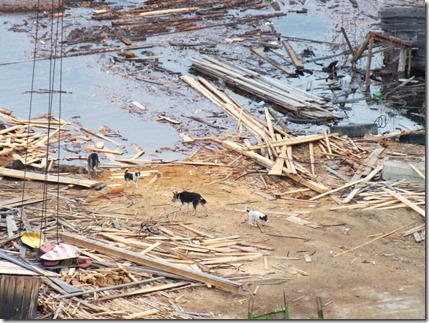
x=48, y=178
x=138, y=258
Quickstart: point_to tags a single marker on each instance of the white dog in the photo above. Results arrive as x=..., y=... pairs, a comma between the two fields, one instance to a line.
x=255, y=216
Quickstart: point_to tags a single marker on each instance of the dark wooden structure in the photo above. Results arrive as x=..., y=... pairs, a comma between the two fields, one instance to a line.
x=19, y=292
x=408, y=24
x=405, y=49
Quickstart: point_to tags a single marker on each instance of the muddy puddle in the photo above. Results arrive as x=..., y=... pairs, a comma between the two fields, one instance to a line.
x=98, y=90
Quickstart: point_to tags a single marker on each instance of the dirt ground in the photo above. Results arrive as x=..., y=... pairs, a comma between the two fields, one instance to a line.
x=382, y=280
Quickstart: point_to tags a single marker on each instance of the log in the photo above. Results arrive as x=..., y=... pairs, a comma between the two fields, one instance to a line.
x=208, y=279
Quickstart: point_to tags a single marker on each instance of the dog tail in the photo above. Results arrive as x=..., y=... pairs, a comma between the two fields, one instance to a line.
x=203, y=201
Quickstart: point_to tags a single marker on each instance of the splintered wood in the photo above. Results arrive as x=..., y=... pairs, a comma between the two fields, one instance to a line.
x=276, y=149
x=134, y=268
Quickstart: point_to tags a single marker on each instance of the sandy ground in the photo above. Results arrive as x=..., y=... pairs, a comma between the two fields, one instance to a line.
x=384, y=279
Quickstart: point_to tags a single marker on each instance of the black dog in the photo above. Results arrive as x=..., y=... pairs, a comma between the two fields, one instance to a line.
x=131, y=177
x=93, y=162
x=188, y=197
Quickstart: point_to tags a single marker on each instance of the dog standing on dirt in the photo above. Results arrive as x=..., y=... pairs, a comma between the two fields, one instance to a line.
x=189, y=197
x=255, y=216
x=131, y=177
x=93, y=162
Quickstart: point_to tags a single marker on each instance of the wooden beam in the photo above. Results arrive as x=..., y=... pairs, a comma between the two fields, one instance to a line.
x=264, y=56
x=296, y=61
x=406, y=202
x=48, y=178
x=320, y=188
x=140, y=259
x=294, y=141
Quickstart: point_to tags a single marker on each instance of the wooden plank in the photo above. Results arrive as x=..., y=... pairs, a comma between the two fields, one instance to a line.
x=277, y=168
x=143, y=291
x=294, y=141
x=48, y=178
x=208, y=279
x=369, y=163
x=406, y=202
x=367, y=178
x=299, y=179
x=102, y=289
x=417, y=171
x=272, y=61
x=310, y=147
x=371, y=241
x=295, y=60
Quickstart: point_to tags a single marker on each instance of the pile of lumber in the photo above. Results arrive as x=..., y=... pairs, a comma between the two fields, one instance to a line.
x=23, y=143
x=274, y=146
x=275, y=149
x=135, y=267
x=285, y=98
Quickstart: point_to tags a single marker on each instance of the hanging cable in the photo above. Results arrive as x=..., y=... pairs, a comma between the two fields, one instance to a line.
x=33, y=73
x=61, y=37
x=52, y=73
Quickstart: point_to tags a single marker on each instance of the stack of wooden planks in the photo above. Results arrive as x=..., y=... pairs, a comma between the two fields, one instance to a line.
x=285, y=98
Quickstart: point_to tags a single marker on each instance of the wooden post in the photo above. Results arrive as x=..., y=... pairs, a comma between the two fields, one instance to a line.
x=402, y=60
x=347, y=41
x=410, y=51
x=368, y=63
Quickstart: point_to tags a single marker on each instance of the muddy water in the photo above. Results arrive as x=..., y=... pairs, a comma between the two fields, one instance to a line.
x=96, y=94
x=92, y=96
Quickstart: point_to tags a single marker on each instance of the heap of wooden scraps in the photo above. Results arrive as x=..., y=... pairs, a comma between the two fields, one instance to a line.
x=275, y=149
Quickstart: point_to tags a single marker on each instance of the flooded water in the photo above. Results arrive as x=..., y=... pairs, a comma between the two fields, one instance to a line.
x=97, y=92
